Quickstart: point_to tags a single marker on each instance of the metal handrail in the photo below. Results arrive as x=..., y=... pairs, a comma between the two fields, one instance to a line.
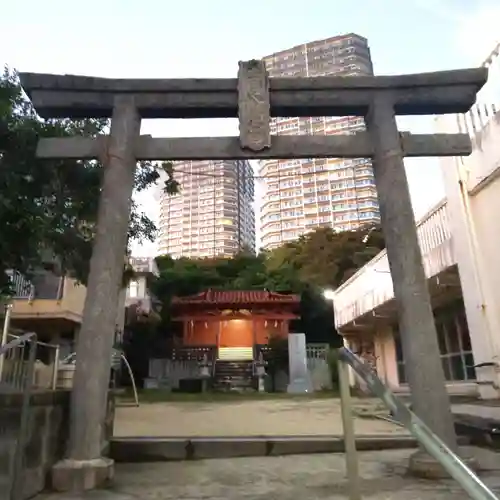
x=16, y=342
x=469, y=481
x=71, y=360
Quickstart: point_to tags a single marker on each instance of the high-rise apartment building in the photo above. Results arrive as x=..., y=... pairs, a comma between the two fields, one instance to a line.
x=301, y=195
x=213, y=214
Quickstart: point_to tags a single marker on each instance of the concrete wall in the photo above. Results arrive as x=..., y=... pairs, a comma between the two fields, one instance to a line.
x=385, y=352
x=472, y=187
x=47, y=435
x=167, y=373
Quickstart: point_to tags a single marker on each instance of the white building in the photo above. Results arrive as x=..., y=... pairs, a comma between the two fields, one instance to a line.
x=460, y=245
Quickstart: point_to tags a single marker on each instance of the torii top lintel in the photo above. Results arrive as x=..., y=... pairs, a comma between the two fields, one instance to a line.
x=72, y=96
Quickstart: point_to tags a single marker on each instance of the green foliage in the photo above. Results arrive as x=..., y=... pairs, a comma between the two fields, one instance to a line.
x=332, y=359
x=278, y=360
x=326, y=258
x=48, y=208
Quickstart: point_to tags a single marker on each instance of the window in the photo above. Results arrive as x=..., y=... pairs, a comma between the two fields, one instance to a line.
x=454, y=346
x=133, y=289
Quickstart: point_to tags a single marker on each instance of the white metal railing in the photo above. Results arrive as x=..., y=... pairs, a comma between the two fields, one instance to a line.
x=22, y=287
x=48, y=286
x=371, y=286
x=488, y=98
x=144, y=265
x=422, y=433
x=317, y=351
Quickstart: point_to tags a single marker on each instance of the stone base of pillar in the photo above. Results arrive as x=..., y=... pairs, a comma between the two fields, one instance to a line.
x=82, y=475
x=425, y=466
x=300, y=386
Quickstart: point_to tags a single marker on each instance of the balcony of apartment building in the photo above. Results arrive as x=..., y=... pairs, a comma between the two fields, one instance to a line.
x=229, y=211
x=310, y=221
x=324, y=201
x=227, y=197
x=228, y=206
x=317, y=128
x=362, y=168
x=309, y=178
x=366, y=191
x=271, y=233
x=339, y=185
x=227, y=222
x=288, y=167
x=47, y=304
x=344, y=207
x=270, y=222
x=322, y=186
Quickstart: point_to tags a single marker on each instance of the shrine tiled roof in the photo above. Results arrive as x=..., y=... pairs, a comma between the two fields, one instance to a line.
x=237, y=297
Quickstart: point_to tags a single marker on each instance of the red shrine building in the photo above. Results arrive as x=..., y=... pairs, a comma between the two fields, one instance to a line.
x=234, y=322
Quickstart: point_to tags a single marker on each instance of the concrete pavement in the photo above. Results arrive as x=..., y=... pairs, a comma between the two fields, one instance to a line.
x=315, y=477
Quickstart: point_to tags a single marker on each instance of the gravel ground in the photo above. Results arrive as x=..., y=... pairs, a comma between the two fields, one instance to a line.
x=244, y=418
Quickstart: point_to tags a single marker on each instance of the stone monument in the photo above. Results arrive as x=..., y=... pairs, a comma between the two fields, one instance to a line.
x=300, y=381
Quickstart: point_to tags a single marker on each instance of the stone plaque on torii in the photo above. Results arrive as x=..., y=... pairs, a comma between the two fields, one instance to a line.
x=254, y=98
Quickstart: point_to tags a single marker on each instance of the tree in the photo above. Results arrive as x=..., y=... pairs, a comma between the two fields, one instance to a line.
x=48, y=208
x=326, y=258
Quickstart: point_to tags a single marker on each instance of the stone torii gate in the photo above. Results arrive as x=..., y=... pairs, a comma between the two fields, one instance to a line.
x=253, y=98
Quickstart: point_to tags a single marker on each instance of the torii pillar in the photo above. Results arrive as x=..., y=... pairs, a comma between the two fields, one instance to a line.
x=419, y=340
x=85, y=466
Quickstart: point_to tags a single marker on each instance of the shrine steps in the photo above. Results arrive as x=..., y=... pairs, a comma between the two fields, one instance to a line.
x=235, y=353
x=233, y=375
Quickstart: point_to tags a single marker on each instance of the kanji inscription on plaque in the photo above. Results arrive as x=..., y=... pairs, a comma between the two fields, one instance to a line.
x=254, y=105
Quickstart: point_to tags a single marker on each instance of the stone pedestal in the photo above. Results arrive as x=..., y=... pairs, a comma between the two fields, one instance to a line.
x=300, y=381
x=80, y=475
x=423, y=465
x=261, y=385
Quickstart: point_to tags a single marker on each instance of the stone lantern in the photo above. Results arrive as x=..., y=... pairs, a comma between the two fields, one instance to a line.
x=205, y=374
x=260, y=371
